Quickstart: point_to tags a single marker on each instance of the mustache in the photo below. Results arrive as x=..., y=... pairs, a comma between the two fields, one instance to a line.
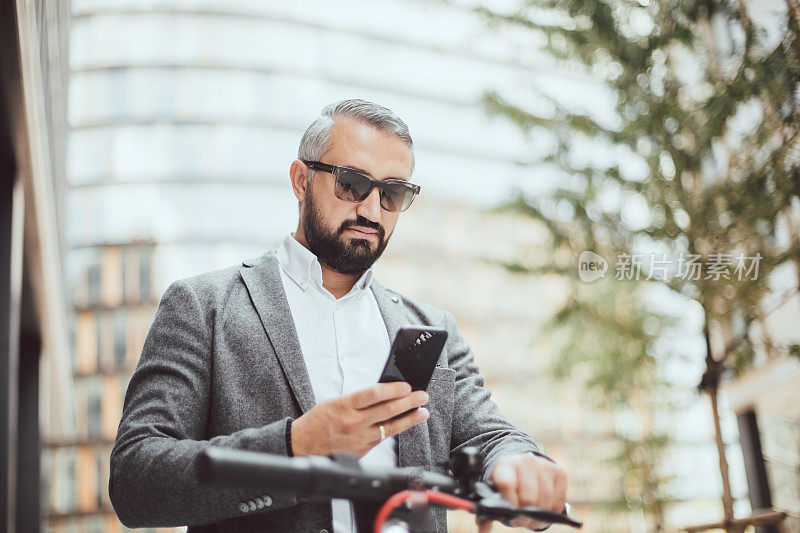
x=364, y=222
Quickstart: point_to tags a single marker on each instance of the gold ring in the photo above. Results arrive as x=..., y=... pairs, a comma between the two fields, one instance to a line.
x=383, y=433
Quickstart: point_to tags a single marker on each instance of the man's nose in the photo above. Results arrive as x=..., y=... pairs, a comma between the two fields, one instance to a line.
x=370, y=207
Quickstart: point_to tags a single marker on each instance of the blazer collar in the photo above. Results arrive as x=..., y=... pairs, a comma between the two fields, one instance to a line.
x=391, y=306
x=263, y=281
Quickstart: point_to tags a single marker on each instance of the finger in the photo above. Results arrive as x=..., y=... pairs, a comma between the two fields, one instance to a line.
x=560, y=488
x=378, y=393
x=528, y=523
x=390, y=409
x=393, y=427
x=547, y=496
x=524, y=521
x=504, y=477
x=484, y=526
x=552, y=488
x=529, y=487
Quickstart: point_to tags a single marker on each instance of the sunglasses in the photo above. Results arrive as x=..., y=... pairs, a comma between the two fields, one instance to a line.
x=354, y=186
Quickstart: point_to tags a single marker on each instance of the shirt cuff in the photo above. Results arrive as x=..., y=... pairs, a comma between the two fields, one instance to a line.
x=289, y=450
x=543, y=456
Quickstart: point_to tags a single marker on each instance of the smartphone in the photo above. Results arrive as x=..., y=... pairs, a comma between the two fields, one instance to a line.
x=413, y=356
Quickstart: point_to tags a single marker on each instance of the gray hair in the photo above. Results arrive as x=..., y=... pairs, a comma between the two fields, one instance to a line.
x=317, y=138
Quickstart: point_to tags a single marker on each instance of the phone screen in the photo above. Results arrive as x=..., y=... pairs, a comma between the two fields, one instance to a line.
x=413, y=356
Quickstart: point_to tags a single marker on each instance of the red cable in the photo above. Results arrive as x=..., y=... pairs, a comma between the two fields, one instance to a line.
x=430, y=495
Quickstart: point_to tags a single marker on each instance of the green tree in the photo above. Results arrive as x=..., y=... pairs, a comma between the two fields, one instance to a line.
x=704, y=135
x=607, y=333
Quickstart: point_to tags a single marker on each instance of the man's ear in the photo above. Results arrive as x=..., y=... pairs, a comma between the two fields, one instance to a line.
x=298, y=173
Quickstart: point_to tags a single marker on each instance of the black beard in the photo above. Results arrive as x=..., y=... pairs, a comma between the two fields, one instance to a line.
x=352, y=257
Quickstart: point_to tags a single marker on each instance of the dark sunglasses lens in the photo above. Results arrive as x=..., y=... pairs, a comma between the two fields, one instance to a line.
x=352, y=186
x=396, y=197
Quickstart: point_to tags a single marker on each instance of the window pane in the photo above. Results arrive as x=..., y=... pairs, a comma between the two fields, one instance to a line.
x=120, y=347
x=145, y=282
x=94, y=408
x=93, y=281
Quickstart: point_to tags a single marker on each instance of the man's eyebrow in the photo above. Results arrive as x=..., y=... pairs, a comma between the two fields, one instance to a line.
x=371, y=176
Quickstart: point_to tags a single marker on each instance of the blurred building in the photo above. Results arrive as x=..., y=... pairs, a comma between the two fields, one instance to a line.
x=184, y=117
x=35, y=382
x=766, y=398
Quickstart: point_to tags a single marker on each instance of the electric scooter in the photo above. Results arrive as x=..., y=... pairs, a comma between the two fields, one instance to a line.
x=407, y=494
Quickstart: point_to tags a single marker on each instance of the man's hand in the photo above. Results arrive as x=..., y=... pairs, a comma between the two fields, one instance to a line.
x=352, y=423
x=527, y=479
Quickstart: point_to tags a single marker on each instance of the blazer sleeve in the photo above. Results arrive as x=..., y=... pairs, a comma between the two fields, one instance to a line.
x=153, y=480
x=477, y=420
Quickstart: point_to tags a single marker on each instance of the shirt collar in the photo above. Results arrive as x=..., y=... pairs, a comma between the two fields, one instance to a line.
x=302, y=266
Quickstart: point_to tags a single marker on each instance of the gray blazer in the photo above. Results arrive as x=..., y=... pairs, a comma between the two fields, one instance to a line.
x=222, y=365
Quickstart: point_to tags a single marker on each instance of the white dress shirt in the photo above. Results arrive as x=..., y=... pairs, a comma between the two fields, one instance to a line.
x=344, y=343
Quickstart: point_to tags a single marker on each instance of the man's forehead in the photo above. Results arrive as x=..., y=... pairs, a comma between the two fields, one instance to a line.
x=363, y=147
x=351, y=131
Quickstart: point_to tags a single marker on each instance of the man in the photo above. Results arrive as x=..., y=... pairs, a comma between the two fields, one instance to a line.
x=282, y=355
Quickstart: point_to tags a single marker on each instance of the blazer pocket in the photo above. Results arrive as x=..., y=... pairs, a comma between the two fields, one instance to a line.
x=441, y=391
x=441, y=373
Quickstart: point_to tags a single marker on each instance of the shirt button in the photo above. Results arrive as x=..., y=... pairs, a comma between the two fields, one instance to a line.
x=323, y=531
x=259, y=503
x=243, y=507
x=267, y=500
x=395, y=299
x=252, y=505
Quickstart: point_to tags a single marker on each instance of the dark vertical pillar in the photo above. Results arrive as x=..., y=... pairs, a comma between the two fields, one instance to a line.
x=9, y=330
x=757, y=482
x=20, y=336
x=28, y=436
x=9, y=269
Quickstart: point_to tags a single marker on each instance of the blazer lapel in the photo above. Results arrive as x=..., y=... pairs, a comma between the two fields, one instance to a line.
x=413, y=445
x=263, y=281
x=391, y=307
